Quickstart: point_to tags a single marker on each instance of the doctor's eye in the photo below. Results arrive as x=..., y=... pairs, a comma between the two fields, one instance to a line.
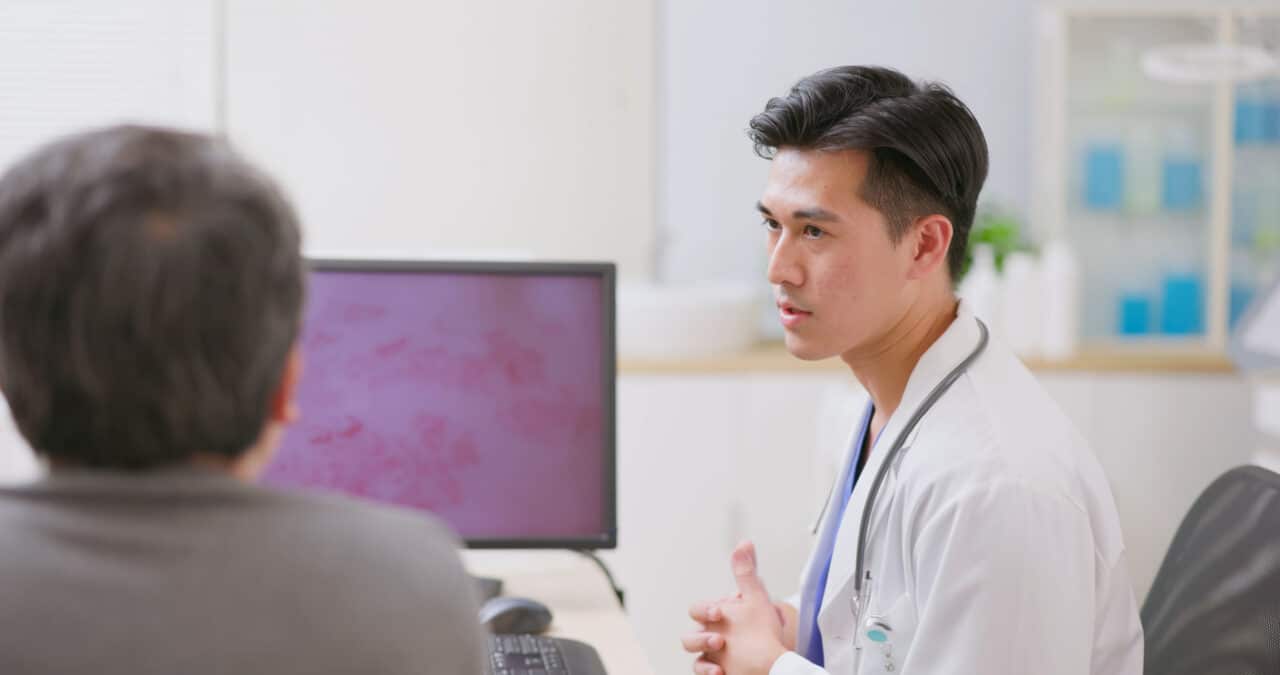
x=811, y=232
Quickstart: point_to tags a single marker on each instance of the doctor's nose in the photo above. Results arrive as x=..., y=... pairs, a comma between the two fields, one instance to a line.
x=784, y=263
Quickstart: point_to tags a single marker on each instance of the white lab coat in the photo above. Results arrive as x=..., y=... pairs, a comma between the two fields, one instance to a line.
x=994, y=545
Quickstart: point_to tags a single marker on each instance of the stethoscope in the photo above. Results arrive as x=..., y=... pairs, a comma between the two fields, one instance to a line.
x=874, y=628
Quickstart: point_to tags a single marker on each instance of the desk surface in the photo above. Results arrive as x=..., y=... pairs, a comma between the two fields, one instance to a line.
x=582, y=604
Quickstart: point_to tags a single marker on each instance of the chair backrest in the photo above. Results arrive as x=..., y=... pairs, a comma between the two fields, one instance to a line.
x=1214, y=608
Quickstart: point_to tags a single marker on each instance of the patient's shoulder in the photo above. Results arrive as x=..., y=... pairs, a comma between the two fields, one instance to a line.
x=362, y=528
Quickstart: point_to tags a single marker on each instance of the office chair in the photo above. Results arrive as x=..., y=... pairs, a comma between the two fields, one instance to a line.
x=1214, y=608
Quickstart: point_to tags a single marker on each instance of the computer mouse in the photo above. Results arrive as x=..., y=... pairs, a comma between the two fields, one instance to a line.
x=515, y=615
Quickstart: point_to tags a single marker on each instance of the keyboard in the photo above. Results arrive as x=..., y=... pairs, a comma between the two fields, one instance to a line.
x=539, y=655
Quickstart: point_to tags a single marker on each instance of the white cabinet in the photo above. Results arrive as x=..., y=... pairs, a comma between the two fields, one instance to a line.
x=704, y=462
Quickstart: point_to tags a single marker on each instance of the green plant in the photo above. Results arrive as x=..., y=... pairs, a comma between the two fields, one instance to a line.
x=999, y=228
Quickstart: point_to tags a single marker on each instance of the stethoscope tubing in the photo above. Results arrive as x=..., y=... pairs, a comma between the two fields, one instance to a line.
x=896, y=448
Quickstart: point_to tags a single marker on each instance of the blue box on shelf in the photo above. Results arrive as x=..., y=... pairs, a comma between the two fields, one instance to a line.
x=1104, y=177
x=1182, y=307
x=1257, y=113
x=1271, y=119
x=1134, y=315
x=1182, y=184
x=1241, y=296
x=1250, y=122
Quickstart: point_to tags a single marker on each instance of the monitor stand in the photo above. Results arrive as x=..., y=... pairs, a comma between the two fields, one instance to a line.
x=487, y=587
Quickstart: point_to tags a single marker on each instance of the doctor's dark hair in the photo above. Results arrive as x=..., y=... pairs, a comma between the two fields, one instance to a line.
x=928, y=153
x=151, y=286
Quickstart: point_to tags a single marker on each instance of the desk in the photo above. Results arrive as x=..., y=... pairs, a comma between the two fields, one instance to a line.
x=582, y=604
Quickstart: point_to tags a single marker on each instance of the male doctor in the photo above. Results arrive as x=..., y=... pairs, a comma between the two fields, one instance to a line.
x=993, y=546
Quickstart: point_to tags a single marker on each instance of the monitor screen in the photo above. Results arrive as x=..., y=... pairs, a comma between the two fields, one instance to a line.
x=481, y=392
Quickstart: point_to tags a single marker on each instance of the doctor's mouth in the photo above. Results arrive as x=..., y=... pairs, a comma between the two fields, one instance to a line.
x=791, y=315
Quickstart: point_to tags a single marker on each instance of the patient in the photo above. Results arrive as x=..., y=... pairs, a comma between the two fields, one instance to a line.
x=151, y=289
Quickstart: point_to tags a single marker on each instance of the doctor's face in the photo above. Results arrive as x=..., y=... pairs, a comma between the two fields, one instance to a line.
x=840, y=282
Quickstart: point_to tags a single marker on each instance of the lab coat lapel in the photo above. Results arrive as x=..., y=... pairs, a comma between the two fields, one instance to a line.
x=955, y=344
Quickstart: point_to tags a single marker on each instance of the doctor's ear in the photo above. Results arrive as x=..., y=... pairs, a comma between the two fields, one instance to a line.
x=928, y=239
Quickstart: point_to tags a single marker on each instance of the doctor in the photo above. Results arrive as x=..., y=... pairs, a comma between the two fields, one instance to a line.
x=991, y=544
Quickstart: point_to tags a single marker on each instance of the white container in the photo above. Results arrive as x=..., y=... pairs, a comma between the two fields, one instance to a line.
x=1021, y=304
x=980, y=288
x=1060, y=313
x=687, y=320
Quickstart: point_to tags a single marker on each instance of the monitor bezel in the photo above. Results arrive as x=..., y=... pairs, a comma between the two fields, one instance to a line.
x=607, y=273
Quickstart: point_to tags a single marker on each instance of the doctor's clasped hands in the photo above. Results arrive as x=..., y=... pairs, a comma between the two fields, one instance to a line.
x=743, y=634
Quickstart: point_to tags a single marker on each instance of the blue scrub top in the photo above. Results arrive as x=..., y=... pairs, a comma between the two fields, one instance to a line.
x=821, y=562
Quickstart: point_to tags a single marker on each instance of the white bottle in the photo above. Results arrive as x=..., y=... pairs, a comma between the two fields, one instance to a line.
x=1060, y=286
x=1021, y=304
x=980, y=289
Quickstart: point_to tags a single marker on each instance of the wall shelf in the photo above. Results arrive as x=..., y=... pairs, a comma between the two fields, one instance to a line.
x=1165, y=190
x=772, y=357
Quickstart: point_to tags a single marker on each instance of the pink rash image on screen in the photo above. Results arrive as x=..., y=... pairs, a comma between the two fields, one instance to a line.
x=476, y=397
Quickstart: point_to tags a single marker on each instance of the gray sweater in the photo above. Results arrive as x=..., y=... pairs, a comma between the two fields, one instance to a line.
x=189, y=572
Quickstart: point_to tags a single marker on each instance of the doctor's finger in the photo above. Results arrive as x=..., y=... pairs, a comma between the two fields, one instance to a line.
x=700, y=612
x=705, y=612
x=704, y=667
x=702, y=642
x=745, y=572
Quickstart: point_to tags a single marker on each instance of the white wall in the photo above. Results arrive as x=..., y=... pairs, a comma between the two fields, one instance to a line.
x=70, y=64
x=453, y=125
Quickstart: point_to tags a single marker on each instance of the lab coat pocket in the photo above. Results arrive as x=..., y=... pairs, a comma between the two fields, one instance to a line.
x=886, y=636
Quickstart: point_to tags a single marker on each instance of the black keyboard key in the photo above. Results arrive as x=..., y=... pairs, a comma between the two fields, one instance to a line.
x=538, y=655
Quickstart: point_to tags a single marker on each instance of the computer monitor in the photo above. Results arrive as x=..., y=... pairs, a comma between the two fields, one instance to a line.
x=482, y=392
